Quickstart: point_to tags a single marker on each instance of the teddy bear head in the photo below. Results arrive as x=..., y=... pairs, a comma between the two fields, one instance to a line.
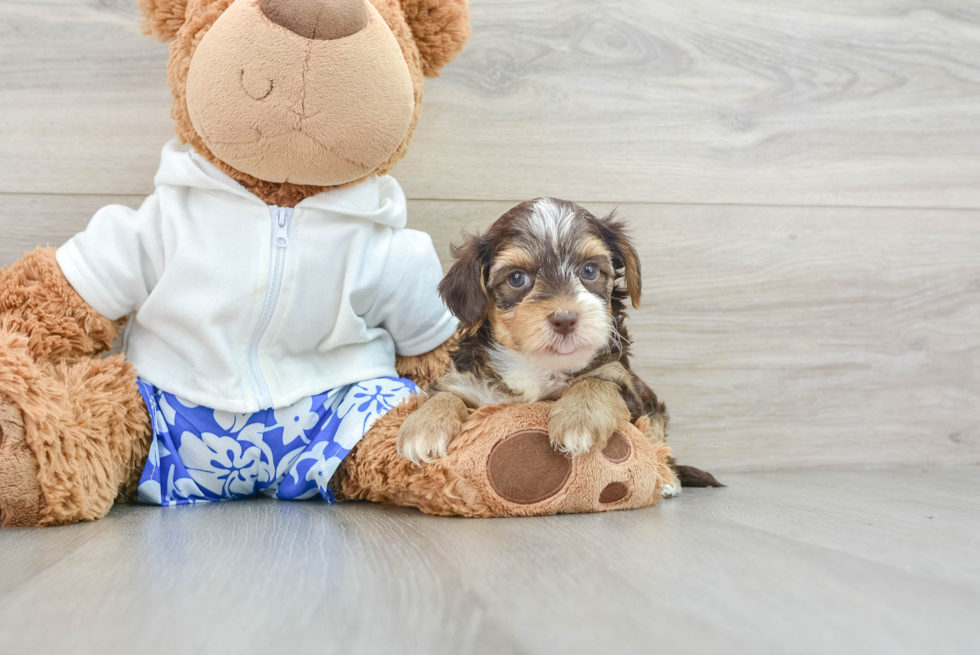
x=293, y=97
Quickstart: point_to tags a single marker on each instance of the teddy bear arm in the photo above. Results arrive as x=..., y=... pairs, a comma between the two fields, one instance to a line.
x=36, y=300
x=503, y=464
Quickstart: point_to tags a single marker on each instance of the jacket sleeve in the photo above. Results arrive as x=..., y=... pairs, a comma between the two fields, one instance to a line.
x=408, y=305
x=115, y=263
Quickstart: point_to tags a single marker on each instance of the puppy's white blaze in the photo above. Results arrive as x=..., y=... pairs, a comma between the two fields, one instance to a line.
x=567, y=271
x=549, y=221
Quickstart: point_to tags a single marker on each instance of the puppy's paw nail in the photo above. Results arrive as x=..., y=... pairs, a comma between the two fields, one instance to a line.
x=424, y=447
x=574, y=443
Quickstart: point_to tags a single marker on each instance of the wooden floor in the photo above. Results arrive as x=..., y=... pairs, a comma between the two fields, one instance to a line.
x=798, y=561
x=802, y=180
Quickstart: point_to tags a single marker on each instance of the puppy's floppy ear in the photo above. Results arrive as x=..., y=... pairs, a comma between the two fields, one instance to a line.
x=441, y=29
x=162, y=18
x=613, y=232
x=464, y=289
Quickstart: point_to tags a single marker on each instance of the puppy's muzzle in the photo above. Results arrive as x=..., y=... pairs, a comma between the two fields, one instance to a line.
x=563, y=322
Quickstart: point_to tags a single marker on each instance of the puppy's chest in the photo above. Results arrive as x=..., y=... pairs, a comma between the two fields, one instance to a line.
x=524, y=382
x=511, y=384
x=531, y=386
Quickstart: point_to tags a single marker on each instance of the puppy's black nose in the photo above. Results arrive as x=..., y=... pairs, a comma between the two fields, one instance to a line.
x=563, y=322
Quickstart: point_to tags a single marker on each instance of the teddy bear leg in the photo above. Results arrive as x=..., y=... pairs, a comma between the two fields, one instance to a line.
x=74, y=436
x=503, y=464
x=20, y=491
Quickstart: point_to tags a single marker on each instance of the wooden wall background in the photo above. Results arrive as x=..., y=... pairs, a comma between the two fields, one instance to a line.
x=802, y=178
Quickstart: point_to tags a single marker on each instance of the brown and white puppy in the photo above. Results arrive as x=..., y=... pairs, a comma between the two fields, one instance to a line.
x=541, y=302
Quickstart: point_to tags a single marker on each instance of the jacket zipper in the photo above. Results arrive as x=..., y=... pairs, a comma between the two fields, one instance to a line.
x=280, y=239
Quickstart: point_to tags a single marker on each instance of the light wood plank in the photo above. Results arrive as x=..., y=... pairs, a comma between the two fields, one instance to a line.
x=777, y=336
x=32, y=220
x=695, y=574
x=708, y=101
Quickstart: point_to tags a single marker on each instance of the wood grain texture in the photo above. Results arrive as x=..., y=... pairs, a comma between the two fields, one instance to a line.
x=803, y=562
x=708, y=101
x=777, y=336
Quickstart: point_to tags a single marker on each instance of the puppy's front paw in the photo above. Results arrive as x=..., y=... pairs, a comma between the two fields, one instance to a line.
x=425, y=434
x=586, y=416
x=576, y=430
x=572, y=440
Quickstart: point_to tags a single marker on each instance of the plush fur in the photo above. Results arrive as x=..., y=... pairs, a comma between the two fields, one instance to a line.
x=83, y=421
x=285, y=108
x=445, y=33
x=74, y=432
x=460, y=483
x=73, y=429
x=37, y=301
x=441, y=29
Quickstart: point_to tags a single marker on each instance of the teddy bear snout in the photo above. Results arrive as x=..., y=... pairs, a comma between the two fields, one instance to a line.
x=321, y=20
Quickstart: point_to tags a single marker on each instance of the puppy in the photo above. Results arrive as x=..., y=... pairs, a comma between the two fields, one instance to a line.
x=541, y=302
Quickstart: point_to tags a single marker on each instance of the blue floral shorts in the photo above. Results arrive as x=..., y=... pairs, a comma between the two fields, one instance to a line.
x=201, y=454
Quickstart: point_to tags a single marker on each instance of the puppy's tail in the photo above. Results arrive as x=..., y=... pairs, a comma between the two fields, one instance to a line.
x=654, y=426
x=693, y=477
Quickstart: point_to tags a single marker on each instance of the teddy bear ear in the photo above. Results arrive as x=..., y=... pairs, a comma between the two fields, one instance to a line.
x=162, y=18
x=440, y=28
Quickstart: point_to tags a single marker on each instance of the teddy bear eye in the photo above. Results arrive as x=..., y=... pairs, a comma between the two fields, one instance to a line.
x=590, y=271
x=518, y=279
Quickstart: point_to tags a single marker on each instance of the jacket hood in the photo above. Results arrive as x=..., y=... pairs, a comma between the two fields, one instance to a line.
x=377, y=199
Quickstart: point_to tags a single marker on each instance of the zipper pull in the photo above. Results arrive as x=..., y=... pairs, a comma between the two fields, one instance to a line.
x=282, y=228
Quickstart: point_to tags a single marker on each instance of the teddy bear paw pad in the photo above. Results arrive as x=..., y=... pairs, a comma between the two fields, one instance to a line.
x=617, y=449
x=614, y=491
x=524, y=468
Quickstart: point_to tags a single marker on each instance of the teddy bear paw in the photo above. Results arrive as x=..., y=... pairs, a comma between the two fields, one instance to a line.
x=525, y=469
x=21, y=500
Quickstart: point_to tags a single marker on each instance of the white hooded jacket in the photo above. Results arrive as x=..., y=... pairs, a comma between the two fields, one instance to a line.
x=242, y=306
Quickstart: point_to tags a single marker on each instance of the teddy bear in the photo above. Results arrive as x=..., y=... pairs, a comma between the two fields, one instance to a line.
x=278, y=319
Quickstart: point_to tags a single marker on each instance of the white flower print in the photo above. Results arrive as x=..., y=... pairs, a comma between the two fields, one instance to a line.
x=230, y=421
x=364, y=403
x=295, y=420
x=153, y=457
x=149, y=492
x=229, y=455
x=219, y=464
x=184, y=488
x=315, y=453
x=168, y=412
x=269, y=472
x=322, y=471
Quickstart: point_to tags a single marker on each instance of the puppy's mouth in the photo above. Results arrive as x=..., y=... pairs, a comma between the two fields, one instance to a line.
x=566, y=346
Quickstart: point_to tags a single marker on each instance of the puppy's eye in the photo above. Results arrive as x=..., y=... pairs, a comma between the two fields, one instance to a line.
x=518, y=279
x=590, y=272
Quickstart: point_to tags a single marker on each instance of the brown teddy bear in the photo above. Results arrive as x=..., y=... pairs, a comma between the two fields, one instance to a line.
x=274, y=295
